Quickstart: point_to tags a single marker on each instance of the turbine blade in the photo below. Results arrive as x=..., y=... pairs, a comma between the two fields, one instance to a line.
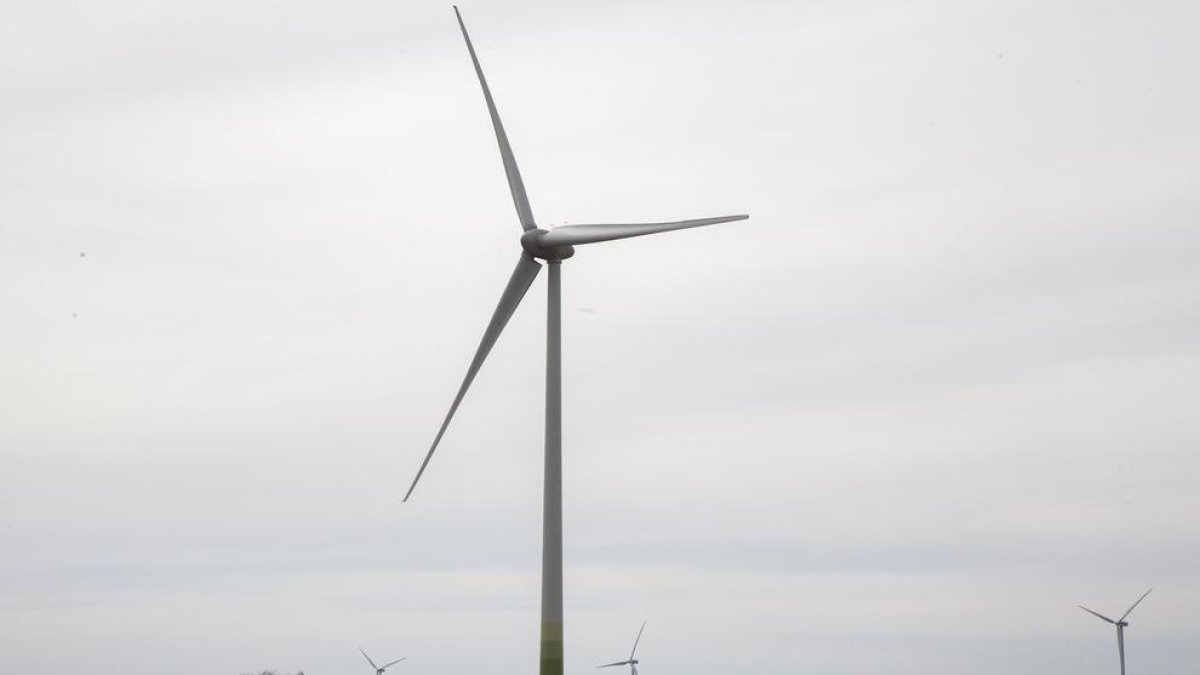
x=635, y=642
x=1096, y=613
x=610, y=665
x=515, y=184
x=1139, y=601
x=571, y=235
x=522, y=277
x=389, y=665
x=368, y=659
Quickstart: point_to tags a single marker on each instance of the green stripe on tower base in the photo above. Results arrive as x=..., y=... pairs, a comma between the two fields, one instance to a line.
x=552, y=649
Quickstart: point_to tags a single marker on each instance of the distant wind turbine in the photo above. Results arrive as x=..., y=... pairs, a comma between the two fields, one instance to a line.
x=552, y=246
x=631, y=662
x=379, y=669
x=1120, y=624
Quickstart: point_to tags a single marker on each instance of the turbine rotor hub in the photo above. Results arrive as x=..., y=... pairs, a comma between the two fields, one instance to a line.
x=531, y=241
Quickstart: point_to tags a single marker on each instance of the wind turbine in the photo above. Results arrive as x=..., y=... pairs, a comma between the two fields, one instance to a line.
x=379, y=669
x=631, y=662
x=1120, y=624
x=553, y=247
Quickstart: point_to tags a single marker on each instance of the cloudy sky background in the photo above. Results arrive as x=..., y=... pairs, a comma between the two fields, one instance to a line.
x=936, y=392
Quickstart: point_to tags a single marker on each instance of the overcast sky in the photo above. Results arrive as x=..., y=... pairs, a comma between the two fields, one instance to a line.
x=937, y=391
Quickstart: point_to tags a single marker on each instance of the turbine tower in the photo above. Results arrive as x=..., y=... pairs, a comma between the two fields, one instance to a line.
x=551, y=246
x=631, y=662
x=1120, y=624
x=379, y=669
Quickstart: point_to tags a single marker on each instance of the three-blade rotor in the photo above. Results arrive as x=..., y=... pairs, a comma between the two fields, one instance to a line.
x=552, y=245
x=379, y=669
x=1127, y=612
x=631, y=662
x=1120, y=624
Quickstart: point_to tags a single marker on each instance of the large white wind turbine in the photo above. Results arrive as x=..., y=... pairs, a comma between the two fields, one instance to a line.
x=552, y=246
x=379, y=669
x=631, y=662
x=1120, y=624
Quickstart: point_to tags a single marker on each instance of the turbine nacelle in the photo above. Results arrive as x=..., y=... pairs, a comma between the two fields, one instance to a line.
x=533, y=242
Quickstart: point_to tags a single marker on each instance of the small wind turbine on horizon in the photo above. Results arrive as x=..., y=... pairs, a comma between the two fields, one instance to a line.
x=379, y=669
x=631, y=662
x=552, y=246
x=1120, y=624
